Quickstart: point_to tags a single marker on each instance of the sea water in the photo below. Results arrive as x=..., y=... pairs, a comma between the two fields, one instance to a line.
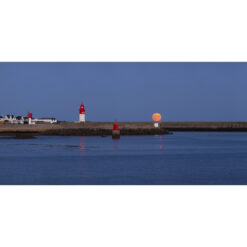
x=184, y=158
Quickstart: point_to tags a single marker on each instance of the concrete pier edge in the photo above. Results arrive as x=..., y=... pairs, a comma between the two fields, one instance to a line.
x=126, y=128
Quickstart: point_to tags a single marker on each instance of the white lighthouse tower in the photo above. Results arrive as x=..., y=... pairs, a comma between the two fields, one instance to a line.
x=82, y=117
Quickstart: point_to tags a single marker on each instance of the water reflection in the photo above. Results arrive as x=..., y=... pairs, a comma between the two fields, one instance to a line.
x=160, y=142
x=82, y=145
x=115, y=143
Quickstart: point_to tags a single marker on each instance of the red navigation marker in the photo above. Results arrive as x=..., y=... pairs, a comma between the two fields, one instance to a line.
x=115, y=127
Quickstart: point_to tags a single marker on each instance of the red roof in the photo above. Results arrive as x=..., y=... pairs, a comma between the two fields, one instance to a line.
x=82, y=109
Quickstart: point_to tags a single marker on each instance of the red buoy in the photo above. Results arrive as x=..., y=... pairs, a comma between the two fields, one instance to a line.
x=115, y=131
x=115, y=127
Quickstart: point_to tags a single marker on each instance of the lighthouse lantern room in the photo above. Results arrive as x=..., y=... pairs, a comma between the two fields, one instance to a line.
x=82, y=117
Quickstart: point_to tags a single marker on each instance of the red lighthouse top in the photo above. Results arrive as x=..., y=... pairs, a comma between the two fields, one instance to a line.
x=82, y=109
x=29, y=115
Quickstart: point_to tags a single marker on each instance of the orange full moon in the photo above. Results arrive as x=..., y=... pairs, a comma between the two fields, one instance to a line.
x=156, y=117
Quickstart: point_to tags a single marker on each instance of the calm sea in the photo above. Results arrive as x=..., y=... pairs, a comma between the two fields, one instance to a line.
x=184, y=158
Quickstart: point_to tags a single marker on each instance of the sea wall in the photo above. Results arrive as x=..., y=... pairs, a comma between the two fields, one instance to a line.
x=126, y=128
x=205, y=126
x=81, y=129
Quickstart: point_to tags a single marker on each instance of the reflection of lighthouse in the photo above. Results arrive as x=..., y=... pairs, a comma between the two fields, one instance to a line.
x=82, y=118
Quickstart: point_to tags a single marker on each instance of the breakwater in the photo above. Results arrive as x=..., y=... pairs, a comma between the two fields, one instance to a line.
x=126, y=128
x=205, y=126
x=81, y=129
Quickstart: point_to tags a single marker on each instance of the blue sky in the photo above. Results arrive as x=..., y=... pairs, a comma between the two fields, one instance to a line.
x=126, y=91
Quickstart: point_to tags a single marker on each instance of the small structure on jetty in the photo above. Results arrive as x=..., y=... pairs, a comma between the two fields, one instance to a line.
x=115, y=131
x=156, y=118
x=82, y=116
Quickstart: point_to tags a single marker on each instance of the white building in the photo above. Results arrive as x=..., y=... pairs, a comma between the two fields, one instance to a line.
x=9, y=119
x=26, y=120
x=44, y=120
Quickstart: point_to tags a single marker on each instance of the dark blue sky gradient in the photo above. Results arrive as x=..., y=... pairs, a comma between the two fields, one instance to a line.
x=126, y=91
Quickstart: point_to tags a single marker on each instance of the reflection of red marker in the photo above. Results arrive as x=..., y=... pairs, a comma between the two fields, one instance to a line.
x=161, y=147
x=82, y=146
x=115, y=144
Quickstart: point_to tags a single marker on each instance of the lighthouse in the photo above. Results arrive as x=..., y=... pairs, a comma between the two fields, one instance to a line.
x=82, y=117
x=30, y=116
